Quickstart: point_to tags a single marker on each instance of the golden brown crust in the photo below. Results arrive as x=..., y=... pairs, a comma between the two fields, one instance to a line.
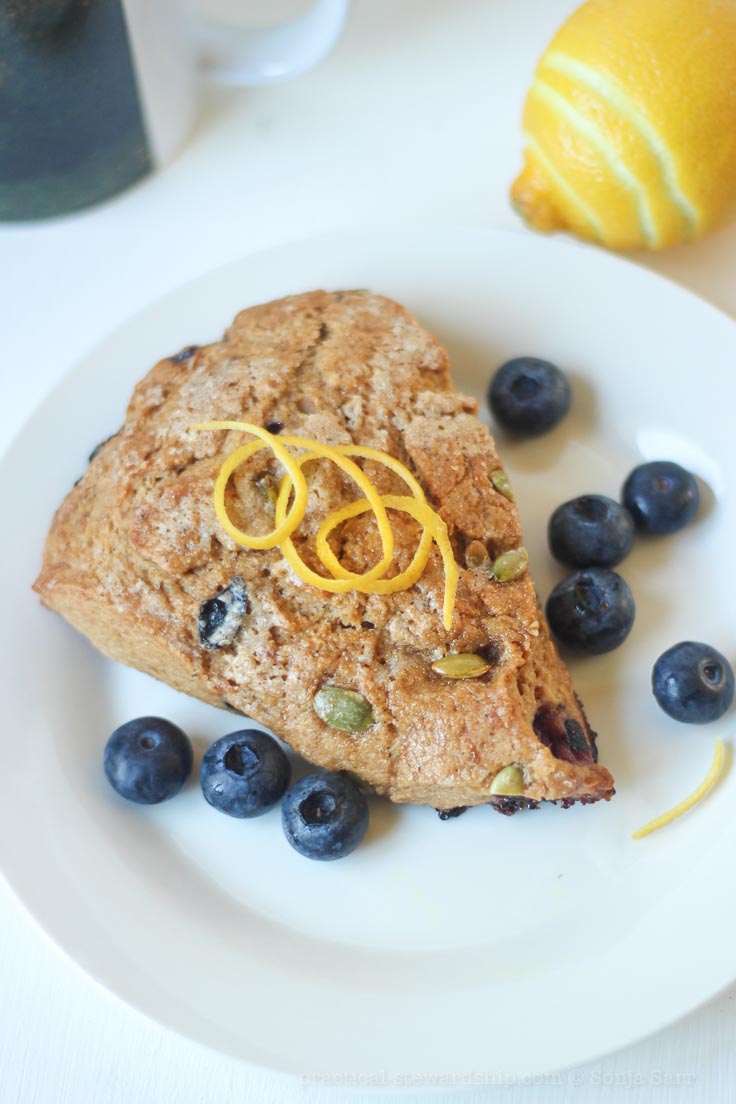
x=135, y=550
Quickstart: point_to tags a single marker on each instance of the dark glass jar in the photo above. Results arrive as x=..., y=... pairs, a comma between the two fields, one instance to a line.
x=71, y=124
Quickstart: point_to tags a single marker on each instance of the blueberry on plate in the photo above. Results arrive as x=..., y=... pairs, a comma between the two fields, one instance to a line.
x=148, y=760
x=590, y=531
x=324, y=816
x=661, y=496
x=528, y=396
x=693, y=682
x=592, y=610
x=245, y=773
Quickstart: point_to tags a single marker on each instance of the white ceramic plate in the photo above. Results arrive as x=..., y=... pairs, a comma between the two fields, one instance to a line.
x=485, y=945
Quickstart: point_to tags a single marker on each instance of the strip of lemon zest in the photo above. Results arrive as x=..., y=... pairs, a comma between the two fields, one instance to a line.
x=287, y=523
x=238, y=457
x=324, y=552
x=384, y=526
x=433, y=529
x=407, y=578
x=431, y=522
x=388, y=461
x=697, y=795
x=287, y=519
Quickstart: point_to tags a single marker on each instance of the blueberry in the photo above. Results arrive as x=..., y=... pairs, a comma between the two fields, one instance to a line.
x=324, y=816
x=220, y=619
x=591, y=609
x=148, y=760
x=661, y=496
x=529, y=396
x=590, y=531
x=244, y=774
x=693, y=682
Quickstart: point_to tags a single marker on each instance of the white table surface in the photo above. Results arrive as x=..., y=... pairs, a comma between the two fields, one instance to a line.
x=413, y=118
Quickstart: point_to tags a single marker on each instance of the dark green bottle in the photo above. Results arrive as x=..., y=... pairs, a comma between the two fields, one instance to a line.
x=71, y=125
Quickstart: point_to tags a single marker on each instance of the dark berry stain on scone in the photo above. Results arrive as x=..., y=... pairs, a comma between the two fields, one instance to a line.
x=449, y=814
x=97, y=448
x=185, y=354
x=564, y=736
x=232, y=708
x=576, y=737
x=491, y=651
x=221, y=618
x=507, y=806
x=591, y=734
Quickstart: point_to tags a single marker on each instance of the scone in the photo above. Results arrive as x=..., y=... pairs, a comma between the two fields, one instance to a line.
x=138, y=561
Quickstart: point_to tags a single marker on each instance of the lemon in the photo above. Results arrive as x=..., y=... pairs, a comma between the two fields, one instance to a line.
x=630, y=124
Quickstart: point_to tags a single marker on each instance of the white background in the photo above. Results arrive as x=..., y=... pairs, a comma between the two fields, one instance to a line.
x=414, y=118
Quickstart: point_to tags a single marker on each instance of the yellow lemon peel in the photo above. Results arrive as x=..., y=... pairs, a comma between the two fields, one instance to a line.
x=696, y=796
x=630, y=124
x=288, y=517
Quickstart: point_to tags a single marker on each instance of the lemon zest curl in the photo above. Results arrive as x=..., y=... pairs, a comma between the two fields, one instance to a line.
x=287, y=518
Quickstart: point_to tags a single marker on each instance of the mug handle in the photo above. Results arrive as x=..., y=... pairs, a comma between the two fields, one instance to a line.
x=234, y=56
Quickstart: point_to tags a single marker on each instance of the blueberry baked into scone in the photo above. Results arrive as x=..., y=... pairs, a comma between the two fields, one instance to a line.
x=366, y=679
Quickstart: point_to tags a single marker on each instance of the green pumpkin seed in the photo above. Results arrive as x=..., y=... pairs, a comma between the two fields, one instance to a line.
x=502, y=483
x=510, y=565
x=461, y=665
x=477, y=558
x=266, y=484
x=343, y=709
x=509, y=782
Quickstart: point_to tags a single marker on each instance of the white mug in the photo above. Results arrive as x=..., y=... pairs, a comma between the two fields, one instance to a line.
x=101, y=92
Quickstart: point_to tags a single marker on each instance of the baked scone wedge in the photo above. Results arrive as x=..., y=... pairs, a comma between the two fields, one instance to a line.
x=138, y=561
